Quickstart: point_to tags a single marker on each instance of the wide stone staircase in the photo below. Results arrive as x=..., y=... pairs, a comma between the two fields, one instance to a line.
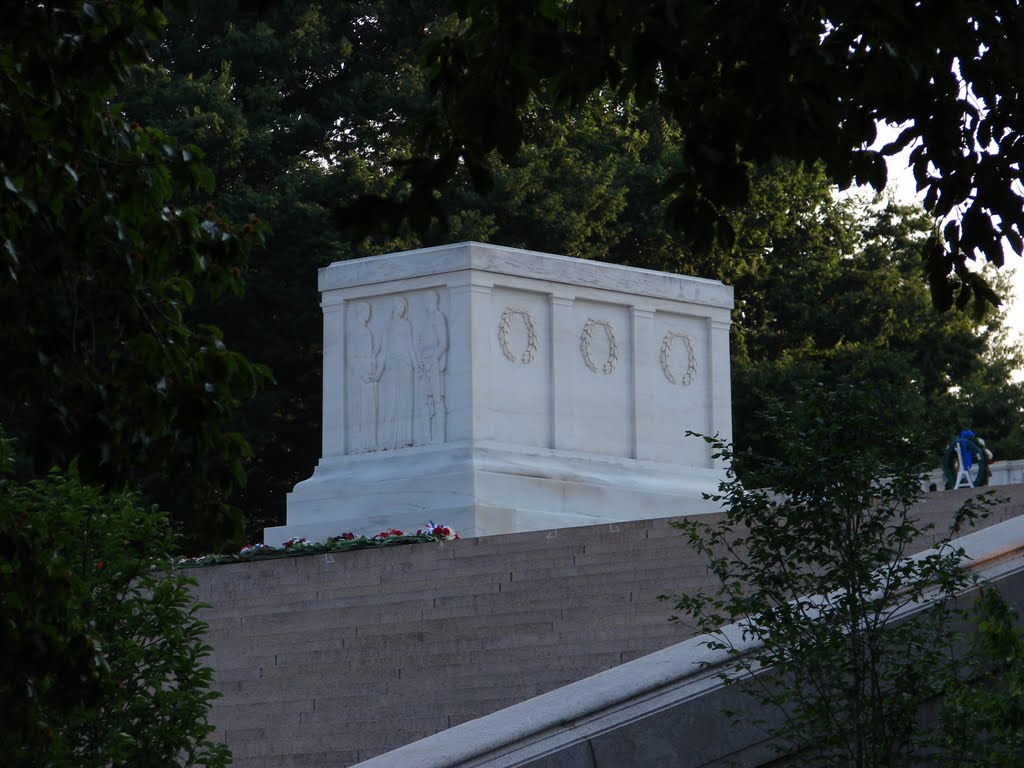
x=333, y=659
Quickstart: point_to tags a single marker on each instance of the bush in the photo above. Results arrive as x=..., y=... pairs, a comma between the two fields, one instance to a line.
x=103, y=647
x=853, y=635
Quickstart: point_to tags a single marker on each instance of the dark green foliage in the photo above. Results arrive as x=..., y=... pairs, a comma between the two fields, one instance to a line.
x=349, y=70
x=296, y=108
x=52, y=663
x=990, y=398
x=750, y=82
x=829, y=288
x=824, y=287
x=341, y=543
x=105, y=241
x=101, y=641
x=816, y=570
x=983, y=709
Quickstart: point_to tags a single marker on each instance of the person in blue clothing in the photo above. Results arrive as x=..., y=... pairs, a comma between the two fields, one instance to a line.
x=965, y=448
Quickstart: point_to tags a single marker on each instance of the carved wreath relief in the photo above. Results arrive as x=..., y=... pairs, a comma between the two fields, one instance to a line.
x=505, y=326
x=585, y=346
x=672, y=344
x=672, y=370
x=401, y=398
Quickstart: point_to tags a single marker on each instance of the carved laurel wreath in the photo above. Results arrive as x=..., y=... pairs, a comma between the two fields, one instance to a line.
x=666, y=358
x=531, y=335
x=613, y=347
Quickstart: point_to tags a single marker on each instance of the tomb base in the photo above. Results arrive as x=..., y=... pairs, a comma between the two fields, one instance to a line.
x=484, y=490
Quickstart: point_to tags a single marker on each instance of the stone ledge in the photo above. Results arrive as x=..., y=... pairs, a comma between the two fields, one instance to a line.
x=443, y=259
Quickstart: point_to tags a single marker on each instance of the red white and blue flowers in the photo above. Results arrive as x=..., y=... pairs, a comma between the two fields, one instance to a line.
x=440, y=531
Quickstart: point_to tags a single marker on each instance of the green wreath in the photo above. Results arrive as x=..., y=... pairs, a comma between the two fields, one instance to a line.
x=950, y=465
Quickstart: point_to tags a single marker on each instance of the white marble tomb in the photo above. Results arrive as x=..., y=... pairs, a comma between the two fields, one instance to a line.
x=500, y=390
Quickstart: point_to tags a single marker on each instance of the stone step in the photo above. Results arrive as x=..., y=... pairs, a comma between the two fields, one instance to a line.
x=393, y=659
x=551, y=555
x=558, y=543
x=484, y=628
x=510, y=599
x=508, y=670
x=382, y=733
x=405, y=712
x=278, y=642
x=354, y=609
x=636, y=552
x=409, y=596
x=499, y=620
x=254, y=689
x=461, y=699
x=235, y=715
x=417, y=665
x=351, y=610
x=439, y=579
x=660, y=562
x=337, y=758
x=457, y=635
x=321, y=650
x=404, y=585
x=277, y=684
x=653, y=580
x=282, y=575
x=351, y=650
x=596, y=590
x=414, y=581
x=647, y=610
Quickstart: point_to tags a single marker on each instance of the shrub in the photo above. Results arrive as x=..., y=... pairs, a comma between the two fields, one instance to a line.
x=103, y=631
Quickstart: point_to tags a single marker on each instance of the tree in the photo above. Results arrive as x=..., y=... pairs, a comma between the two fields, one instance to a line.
x=106, y=670
x=346, y=82
x=748, y=83
x=52, y=664
x=106, y=239
x=852, y=635
x=827, y=287
x=997, y=410
x=295, y=108
x=983, y=723
x=586, y=182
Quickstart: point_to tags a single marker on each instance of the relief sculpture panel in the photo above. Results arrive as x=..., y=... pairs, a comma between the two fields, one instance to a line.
x=431, y=365
x=365, y=358
x=520, y=378
x=597, y=360
x=397, y=361
x=397, y=380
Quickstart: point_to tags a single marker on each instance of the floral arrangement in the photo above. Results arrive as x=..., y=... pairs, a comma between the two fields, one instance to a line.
x=431, y=532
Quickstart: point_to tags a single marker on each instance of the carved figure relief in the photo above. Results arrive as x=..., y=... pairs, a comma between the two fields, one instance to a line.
x=431, y=364
x=397, y=397
x=397, y=380
x=586, y=338
x=673, y=371
x=366, y=357
x=504, y=341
